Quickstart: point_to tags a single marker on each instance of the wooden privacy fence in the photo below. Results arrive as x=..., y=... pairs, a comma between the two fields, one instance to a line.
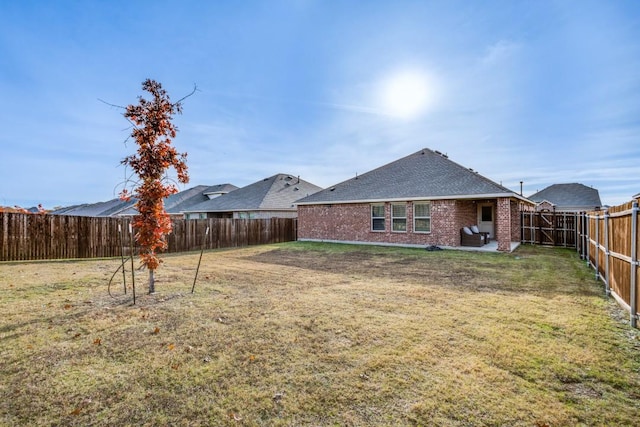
x=38, y=237
x=609, y=242
x=550, y=228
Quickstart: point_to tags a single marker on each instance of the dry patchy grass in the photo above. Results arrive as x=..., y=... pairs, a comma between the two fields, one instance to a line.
x=313, y=334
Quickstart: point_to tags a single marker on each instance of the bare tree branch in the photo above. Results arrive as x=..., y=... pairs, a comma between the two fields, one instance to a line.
x=195, y=89
x=112, y=105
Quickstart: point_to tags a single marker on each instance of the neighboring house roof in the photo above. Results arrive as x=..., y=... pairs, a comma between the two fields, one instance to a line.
x=173, y=204
x=92, y=209
x=568, y=195
x=425, y=175
x=277, y=192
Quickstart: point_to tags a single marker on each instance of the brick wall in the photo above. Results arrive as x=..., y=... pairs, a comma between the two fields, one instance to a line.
x=516, y=221
x=503, y=224
x=352, y=222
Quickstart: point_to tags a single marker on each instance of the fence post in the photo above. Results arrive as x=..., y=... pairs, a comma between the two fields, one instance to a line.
x=597, y=246
x=576, y=231
x=582, y=220
x=606, y=252
x=553, y=227
x=564, y=229
x=634, y=264
x=586, y=238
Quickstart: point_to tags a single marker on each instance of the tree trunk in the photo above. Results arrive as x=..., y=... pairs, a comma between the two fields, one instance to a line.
x=152, y=283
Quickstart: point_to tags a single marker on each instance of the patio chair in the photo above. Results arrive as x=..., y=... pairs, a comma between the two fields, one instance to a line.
x=468, y=238
x=474, y=229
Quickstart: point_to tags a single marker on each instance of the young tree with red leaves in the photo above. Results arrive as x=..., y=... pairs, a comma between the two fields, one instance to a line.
x=153, y=132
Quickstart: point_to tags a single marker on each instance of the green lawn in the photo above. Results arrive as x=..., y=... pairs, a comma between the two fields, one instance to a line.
x=318, y=334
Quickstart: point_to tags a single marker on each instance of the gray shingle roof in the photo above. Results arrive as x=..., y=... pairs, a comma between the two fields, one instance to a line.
x=575, y=195
x=424, y=174
x=176, y=203
x=173, y=204
x=274, y=193
x=94, y=209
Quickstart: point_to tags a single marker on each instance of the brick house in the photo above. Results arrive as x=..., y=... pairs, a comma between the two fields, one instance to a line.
x=422, y=199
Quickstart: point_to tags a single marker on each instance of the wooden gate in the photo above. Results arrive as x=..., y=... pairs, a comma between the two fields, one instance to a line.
x=550, y=228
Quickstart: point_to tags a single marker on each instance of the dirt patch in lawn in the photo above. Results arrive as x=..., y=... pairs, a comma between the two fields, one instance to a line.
x=312, y=334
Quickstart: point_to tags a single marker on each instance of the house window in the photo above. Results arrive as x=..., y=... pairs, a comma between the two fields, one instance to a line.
x=377, y=217
x=422, y=217
x=399, y=217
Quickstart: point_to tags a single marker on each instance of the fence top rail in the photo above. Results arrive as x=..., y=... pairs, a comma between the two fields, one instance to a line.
x=621, y=213
x=612, y=214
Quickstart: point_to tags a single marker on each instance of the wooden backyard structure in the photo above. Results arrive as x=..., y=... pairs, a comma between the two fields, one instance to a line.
x=39, y=237
x=609, y=242
x=607, y=239
x=550, y=228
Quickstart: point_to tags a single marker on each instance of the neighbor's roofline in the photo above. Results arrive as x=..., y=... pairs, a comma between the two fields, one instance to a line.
x=404, y=199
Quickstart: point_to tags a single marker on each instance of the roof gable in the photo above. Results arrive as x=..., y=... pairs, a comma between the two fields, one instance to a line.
x=424, y=174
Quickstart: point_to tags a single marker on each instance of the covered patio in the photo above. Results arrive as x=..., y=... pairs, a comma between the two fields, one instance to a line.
x=492, y=246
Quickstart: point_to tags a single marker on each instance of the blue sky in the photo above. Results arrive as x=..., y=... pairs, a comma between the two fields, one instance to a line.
x=537, y=91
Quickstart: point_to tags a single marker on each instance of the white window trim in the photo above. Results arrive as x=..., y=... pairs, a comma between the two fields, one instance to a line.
x=399, y=217
x=383, y=217
x=421, y=217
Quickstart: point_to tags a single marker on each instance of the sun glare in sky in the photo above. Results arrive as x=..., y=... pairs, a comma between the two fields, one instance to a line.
x=406, y=94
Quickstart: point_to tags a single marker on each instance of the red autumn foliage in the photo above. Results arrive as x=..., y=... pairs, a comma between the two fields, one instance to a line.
x=153, y=132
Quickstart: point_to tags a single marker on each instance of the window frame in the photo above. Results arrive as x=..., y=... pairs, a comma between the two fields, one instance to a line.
x=398, y=219
x=421, y=217
x=374, y=218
